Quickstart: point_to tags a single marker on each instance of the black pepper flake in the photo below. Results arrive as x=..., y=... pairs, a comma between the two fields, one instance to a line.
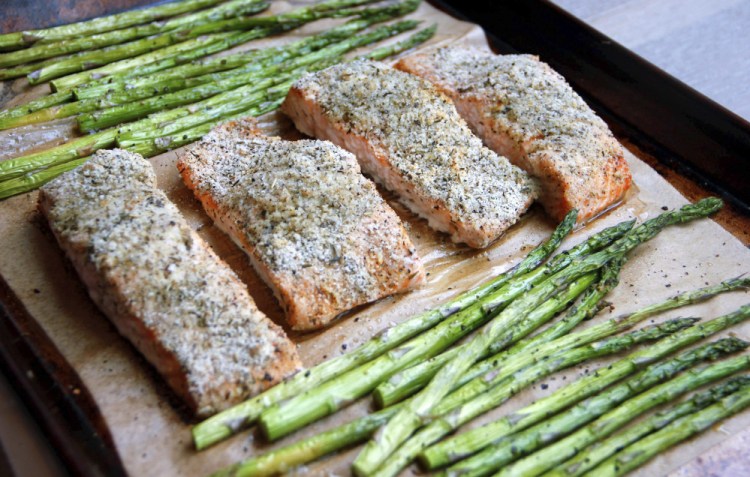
x=544, y=386
x=267, y=377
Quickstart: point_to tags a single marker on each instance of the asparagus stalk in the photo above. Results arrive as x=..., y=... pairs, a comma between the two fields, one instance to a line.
x=48, y=50
x=641, y=451
x=589, y=457
x=158, y=80
x=410, y=380
x=75, y=149
x=225, y=423
x=309, y=449
x=23, y=70
x=492, y=371
x=200, y=46
x=410, y=417
x=266, y=62
x=102, y=24
x=151, y=147
x=112, y=58
x=615, y=412
x=9, y=117
x=92, y=98
x=356, y=431
x=227, y=82
x=57, y=112
x=518, y=381
x=465, y=444
x=25, y=183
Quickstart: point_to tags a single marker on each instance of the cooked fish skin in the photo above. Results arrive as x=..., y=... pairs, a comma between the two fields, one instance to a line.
x=409, y=137
x=524, y=110
x=314, y=227
x=162, y=286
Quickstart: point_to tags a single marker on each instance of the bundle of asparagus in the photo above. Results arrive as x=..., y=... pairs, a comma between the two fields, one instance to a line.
x=186, y=99
x=491, y=381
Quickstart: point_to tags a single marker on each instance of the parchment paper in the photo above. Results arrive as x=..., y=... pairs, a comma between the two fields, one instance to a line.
x=153, y=437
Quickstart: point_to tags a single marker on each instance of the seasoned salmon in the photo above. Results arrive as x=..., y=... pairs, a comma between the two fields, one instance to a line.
x=314, y=227
x=409, y=137
x=524, y=110
x=161, y=285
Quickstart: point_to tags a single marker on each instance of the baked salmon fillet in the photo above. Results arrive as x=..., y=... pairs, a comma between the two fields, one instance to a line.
x=409, y=137
x=161, y=285
x=314, y=227
x=524, y=110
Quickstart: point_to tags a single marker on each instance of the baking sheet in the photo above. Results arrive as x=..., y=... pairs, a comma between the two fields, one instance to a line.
x=153, y=437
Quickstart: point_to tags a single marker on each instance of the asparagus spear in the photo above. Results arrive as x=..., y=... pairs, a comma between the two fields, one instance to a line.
x=92, y=98
x=412, y=379
x=410, y=417
x=102, y=24
x=25, y=183
x=612, y=418
x=206, y=44
x=225, y=423
x=307, y=450
x=57, y=112
x=106, y=59
x=294, y=68
x=158, y=80
x=151, y=147
x=491, y=371
x=265, y=63
x=8, y=117
x=48, y=50
x=23, y=70
x=588, y=457
x=356, y=431
x=641, y=451
x=74, y=149
x=465, y=444
x=515, y=383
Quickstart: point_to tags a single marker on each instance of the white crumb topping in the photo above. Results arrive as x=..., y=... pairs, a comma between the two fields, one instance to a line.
x=531, y=103
x=428, y=144
x=154, y=267
x=304, y=206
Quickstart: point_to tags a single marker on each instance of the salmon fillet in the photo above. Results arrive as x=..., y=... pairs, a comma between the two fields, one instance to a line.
x=524, y=110
x=409, y=137
x=315, y=229
x=161, y=285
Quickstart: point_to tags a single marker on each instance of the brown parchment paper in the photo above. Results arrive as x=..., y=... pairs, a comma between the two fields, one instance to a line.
x=153, y=438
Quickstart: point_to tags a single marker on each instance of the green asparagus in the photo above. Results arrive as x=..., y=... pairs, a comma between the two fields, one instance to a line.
x=465, y=444
x=102, y=24
x=412, y=379
x=641, y=451
x=410, y=417
x=589, y=457
x=450, y=417
x=184, y=23
x=194, y=48
x=276, y=73
x=615, y=413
